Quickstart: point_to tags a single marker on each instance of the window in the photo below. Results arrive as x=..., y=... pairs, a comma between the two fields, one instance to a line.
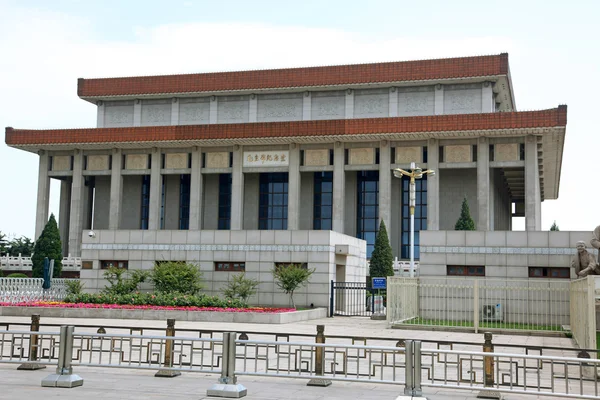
x=224, y=201
x=323, y=200
x=160, y=262
x=184, y=201
x=273, y=201
x=145, y=212
x=106, y=264
x=420, y=215
x=367, y=208
x=550, y=272
x=230, y=266
x=465, y=270
x=287, y=264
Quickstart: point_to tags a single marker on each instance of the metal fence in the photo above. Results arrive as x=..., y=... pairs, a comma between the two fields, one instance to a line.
x=508, y=304
x=412, y=364
x=583, y=312
x=18, y=290
x=353, y=299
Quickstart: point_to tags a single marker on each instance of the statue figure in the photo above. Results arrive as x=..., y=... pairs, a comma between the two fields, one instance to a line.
x=584, y=262
x=595, y=242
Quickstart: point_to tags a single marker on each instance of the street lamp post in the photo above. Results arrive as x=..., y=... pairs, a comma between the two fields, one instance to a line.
x=415, y=173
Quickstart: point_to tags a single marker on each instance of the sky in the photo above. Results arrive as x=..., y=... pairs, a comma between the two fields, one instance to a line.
x=553, y=46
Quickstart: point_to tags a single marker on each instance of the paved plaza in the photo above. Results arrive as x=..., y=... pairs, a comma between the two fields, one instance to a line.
x=111, y=383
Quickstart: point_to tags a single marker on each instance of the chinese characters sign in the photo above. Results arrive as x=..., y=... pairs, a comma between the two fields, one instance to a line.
x=266, y=158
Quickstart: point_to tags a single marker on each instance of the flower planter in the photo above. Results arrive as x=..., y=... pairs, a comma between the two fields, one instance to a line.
x=256, y=315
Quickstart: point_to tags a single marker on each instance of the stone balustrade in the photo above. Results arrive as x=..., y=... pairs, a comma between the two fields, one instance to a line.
x=20, y=263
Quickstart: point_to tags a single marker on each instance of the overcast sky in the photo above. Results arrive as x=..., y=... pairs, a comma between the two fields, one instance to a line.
x=46, y=45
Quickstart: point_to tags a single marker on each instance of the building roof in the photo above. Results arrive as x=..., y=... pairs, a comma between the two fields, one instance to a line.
x=556, y=117
x=491, y=66
x=548, y=125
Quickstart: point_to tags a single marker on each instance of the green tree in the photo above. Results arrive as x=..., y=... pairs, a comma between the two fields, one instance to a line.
x=554, y=227
x=122, y=281
x=291, y=277
x=176, y=277
x=382, y=258
x=23, y=246
x=465, y=222
x=240, y=287
x=3, y=244
x=48, y=245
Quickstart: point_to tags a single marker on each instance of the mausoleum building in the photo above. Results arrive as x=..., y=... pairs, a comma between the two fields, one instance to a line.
x=243, y=170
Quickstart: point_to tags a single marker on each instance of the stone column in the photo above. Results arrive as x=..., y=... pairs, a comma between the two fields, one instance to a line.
x=116, y=190
x=306, y=106
x=196, y=190
x=100, y=115
x=339, y=187
x=77, y=202
x=237, y=189
x=175, y=111
x=349, y=104
x=439, y=101
x=294, y=188
x=137, y=112
x=63, y=214
x=483, y=184
x=253, y=108
x=385, y=184
x=487, y=98
x=433, y=185
x=532, y=186
x=393, y=102
x=155, y=191
x=43, y=194
x=213, y=111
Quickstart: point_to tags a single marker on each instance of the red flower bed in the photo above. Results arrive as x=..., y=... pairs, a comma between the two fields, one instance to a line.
x=57, y=304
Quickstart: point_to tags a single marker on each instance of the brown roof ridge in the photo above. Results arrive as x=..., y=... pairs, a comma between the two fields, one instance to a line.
x=555, y=117
x=394, y=71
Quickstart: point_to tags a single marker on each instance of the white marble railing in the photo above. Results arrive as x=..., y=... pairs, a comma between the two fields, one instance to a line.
x=25, y=264
x=18, y=290
x=16, y=263
x=402, y=268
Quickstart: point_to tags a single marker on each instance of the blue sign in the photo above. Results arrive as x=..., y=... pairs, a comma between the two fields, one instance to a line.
x=379, y=283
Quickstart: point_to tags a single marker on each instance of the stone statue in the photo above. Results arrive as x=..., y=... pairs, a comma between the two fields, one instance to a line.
x=584, y=262
x=595, y=242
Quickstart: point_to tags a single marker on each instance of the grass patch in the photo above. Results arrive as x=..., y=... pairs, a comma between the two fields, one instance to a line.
x=598, y=340
x=483, y=324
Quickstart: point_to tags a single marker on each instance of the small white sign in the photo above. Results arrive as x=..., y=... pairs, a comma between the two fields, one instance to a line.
x=266, y=158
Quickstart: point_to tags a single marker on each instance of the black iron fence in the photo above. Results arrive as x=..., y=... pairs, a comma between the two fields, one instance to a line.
x=355, y=299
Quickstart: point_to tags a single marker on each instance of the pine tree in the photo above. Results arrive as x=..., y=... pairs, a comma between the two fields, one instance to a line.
x=465, y=222
x=47, y=245
x=554, y=227
x=3, y=244
x=382, y=259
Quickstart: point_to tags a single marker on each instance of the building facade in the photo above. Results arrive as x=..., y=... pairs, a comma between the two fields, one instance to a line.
x=219, y=159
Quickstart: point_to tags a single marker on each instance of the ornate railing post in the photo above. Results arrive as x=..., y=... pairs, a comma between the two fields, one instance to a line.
x=228, y=386
x=169, y=347
x=64, y=376
x=32, y=363
x=319, y=360
x=488, y=369
x=409, y=369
